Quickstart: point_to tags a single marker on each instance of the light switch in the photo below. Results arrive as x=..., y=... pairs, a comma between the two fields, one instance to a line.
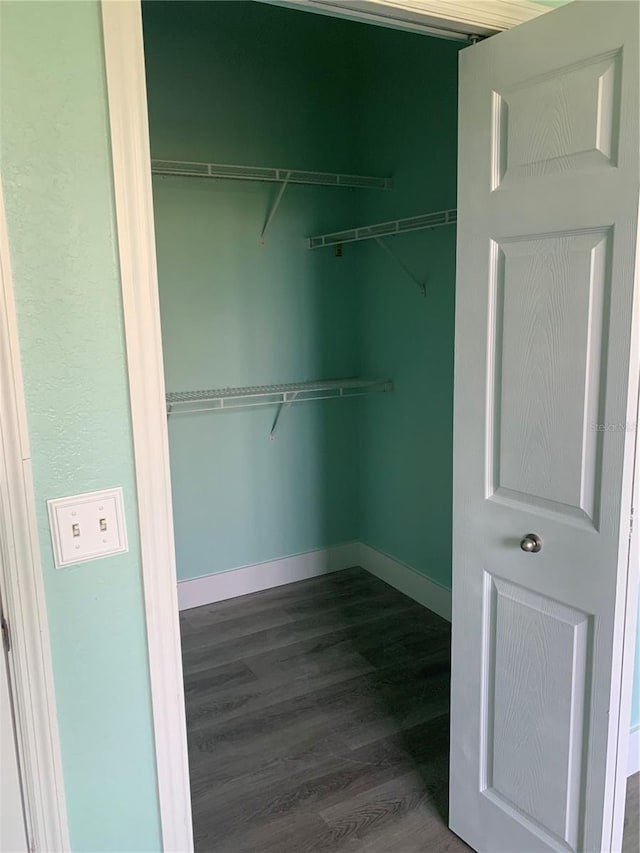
x=86, y=527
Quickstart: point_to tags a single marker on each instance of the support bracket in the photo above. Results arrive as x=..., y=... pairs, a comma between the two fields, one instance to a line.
x=421, y=284
x=274, y=208
x=282, y=408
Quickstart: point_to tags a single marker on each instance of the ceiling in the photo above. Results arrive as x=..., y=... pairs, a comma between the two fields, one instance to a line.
x=455, y=19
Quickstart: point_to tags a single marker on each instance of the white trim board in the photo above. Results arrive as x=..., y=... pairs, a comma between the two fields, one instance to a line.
x=254, y=578
x=126, y=89
x=266, y=575
x=407, y=580
x=22, y=592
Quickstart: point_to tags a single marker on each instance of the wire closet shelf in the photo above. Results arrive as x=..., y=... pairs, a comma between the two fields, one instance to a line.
x=385, y=229
x=268, y=173
x=182, y=402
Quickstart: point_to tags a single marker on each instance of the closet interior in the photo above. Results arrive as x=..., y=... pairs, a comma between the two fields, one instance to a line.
x=322, y=293
x=304, y=185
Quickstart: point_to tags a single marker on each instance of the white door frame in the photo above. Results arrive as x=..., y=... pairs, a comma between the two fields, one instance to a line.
x=22, y=589
x=124, y=61
x=126, y=86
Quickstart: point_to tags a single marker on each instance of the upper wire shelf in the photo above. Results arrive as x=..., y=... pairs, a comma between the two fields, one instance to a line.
x=385, y=229
x=267, y=395
x=264, y=173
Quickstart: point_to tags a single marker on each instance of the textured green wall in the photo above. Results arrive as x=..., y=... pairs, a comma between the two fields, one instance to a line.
x=56, y=175
x=239, y=82
x=244, y=83
x=409, y=126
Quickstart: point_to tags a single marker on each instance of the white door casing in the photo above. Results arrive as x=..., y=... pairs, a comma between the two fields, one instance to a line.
x=128, y=123
x=547, y=361
x=22, y=591
x=13, y=832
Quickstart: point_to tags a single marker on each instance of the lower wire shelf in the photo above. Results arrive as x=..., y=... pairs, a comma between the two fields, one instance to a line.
x=182, y=402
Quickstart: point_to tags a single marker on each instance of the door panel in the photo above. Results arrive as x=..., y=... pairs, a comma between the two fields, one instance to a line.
x=562, y=120
x=549, y=296
x=546, y=381
x=533, y=719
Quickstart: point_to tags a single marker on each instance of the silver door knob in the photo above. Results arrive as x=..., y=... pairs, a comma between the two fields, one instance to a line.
x=531, y=543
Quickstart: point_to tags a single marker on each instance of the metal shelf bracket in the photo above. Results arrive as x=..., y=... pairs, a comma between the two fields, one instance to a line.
x=274, y=208
x=422, y=286
x=282, y=408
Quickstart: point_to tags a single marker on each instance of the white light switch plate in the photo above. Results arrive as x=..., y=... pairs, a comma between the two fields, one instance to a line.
x=86, y=527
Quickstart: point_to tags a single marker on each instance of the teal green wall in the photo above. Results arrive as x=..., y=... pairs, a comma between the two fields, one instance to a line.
x=56, y=172
x=411, y=130
x=245, y=83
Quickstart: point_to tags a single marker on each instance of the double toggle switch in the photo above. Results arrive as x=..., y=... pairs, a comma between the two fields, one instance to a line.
x=86, y=527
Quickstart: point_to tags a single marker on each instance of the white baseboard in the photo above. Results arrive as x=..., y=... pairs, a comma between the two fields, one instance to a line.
x=259, y=576
x=246, y=579
x=407, y=580
x=634, y=751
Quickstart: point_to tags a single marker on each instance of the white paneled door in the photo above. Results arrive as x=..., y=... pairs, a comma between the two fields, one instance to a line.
x=545, y=411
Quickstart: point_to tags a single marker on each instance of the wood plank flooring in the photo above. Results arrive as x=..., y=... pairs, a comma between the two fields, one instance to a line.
x=317, y=718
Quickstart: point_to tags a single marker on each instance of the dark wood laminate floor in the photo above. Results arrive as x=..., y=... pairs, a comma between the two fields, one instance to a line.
x=317, y=717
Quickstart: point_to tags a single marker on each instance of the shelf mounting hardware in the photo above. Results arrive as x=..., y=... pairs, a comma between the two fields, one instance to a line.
x=274, y=207
x=421, y=284
x=282, y=408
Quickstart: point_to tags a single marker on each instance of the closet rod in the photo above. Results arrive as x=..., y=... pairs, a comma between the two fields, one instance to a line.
x=181, y=402
x=264, y=173
x=385, y=229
